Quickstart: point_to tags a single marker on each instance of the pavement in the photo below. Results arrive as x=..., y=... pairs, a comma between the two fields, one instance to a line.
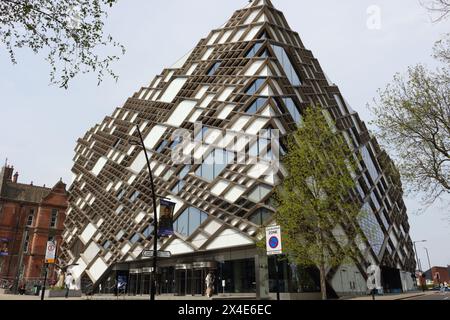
x=427, y=295
x=434, y=297
x=419, y=296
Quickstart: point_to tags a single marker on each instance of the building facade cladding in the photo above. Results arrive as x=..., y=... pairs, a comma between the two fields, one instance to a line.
x=217, y=84
x=29, y=217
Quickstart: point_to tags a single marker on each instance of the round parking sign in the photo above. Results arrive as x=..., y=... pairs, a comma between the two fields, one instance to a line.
x=273, y=242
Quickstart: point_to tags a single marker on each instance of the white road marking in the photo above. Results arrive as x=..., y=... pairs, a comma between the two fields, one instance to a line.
x=446, y=298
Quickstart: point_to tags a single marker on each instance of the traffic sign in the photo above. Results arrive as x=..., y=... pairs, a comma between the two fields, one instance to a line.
x=273, y=240
x=50, y=254
x=161, y=254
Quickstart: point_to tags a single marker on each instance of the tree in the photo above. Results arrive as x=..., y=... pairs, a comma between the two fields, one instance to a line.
x=316, y=203
x=413, y=117
x=69, y=32
x=441, y=8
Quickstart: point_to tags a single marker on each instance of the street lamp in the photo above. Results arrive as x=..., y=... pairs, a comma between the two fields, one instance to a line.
x=155, y=215
x=428, y=256
x=417, y=256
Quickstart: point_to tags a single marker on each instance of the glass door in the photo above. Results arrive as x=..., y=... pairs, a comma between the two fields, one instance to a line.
x=181, y=277
x=198, y=282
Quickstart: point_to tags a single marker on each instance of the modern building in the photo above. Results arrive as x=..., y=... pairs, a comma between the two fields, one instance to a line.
x=29, y=217
x=243, y=82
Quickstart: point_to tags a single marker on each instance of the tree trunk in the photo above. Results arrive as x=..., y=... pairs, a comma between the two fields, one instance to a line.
x=323, y=284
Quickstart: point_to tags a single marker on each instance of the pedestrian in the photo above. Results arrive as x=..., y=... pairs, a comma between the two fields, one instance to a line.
x=209, y=284
x=68, y=283
x=22, y=289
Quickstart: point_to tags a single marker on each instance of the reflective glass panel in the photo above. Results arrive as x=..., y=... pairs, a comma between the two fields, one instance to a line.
x=287, y=65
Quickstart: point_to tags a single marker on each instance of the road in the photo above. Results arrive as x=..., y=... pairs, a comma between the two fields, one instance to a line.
x=433, y=297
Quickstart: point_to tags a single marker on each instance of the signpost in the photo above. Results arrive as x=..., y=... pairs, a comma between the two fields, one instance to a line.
x=160, y=254
x=274, y=248
x=50, y=258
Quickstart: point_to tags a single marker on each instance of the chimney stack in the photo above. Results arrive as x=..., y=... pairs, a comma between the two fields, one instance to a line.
x=16, y=177
x=8, y=173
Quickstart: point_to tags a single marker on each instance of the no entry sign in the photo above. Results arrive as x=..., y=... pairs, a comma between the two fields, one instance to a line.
x=273, y=240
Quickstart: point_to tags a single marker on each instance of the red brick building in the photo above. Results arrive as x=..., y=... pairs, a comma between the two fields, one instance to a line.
x=438, y=275
x=29, y=217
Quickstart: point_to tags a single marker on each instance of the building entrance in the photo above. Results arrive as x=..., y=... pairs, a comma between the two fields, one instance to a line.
x=190, y=278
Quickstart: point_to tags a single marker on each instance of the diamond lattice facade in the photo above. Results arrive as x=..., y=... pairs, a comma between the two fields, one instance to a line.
x=252, y=75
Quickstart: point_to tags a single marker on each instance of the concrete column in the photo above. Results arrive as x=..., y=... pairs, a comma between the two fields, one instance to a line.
x=262, y=276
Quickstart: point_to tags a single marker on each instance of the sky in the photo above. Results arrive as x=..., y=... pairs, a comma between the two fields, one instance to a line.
x=360, y=44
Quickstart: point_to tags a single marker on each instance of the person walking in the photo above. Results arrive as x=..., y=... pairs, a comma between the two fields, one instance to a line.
x=209, y=284
x=68, y=283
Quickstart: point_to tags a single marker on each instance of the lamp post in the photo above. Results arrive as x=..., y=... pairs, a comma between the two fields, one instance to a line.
x=417, y=256
x=428, y=256
x=155, y=215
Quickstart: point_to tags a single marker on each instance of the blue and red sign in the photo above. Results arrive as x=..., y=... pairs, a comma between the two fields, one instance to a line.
x=273, y=242
x=273, y=238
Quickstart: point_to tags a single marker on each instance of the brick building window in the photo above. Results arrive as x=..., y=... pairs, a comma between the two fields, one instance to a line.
x=54, y=218
x=26, y=244
x=30, y=220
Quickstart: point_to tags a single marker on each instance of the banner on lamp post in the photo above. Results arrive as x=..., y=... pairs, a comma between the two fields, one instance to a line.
x=50, y=254
x=165, y=223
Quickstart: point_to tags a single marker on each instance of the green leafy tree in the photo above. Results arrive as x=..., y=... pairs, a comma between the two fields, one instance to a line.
x=316, y=203
x=69, y=32
x=413, y=117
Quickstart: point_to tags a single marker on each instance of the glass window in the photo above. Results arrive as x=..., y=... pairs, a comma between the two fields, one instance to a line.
x=54, y=218
x=293, y=110
x=371, y=228
x=135, y=238
x=26, y=244
x=189, y=221
x=119, y=209
x=176, y=142
x=148, y=232
x=369, y=163
x=263, y=146
x=116, y=144
x=260, y=146
x=162, y=146
x=214, y=68
x=214, y=164
x=256, y=105
x=106, y=245
x=201, y=135
x=135, y=195
x=287, y=65
x=261, y=216
x=179, y=187
x=30, y=220
x=254, y=50
x=183, y=173
x=259, y=193
x=255, y=86
x=120, y=194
